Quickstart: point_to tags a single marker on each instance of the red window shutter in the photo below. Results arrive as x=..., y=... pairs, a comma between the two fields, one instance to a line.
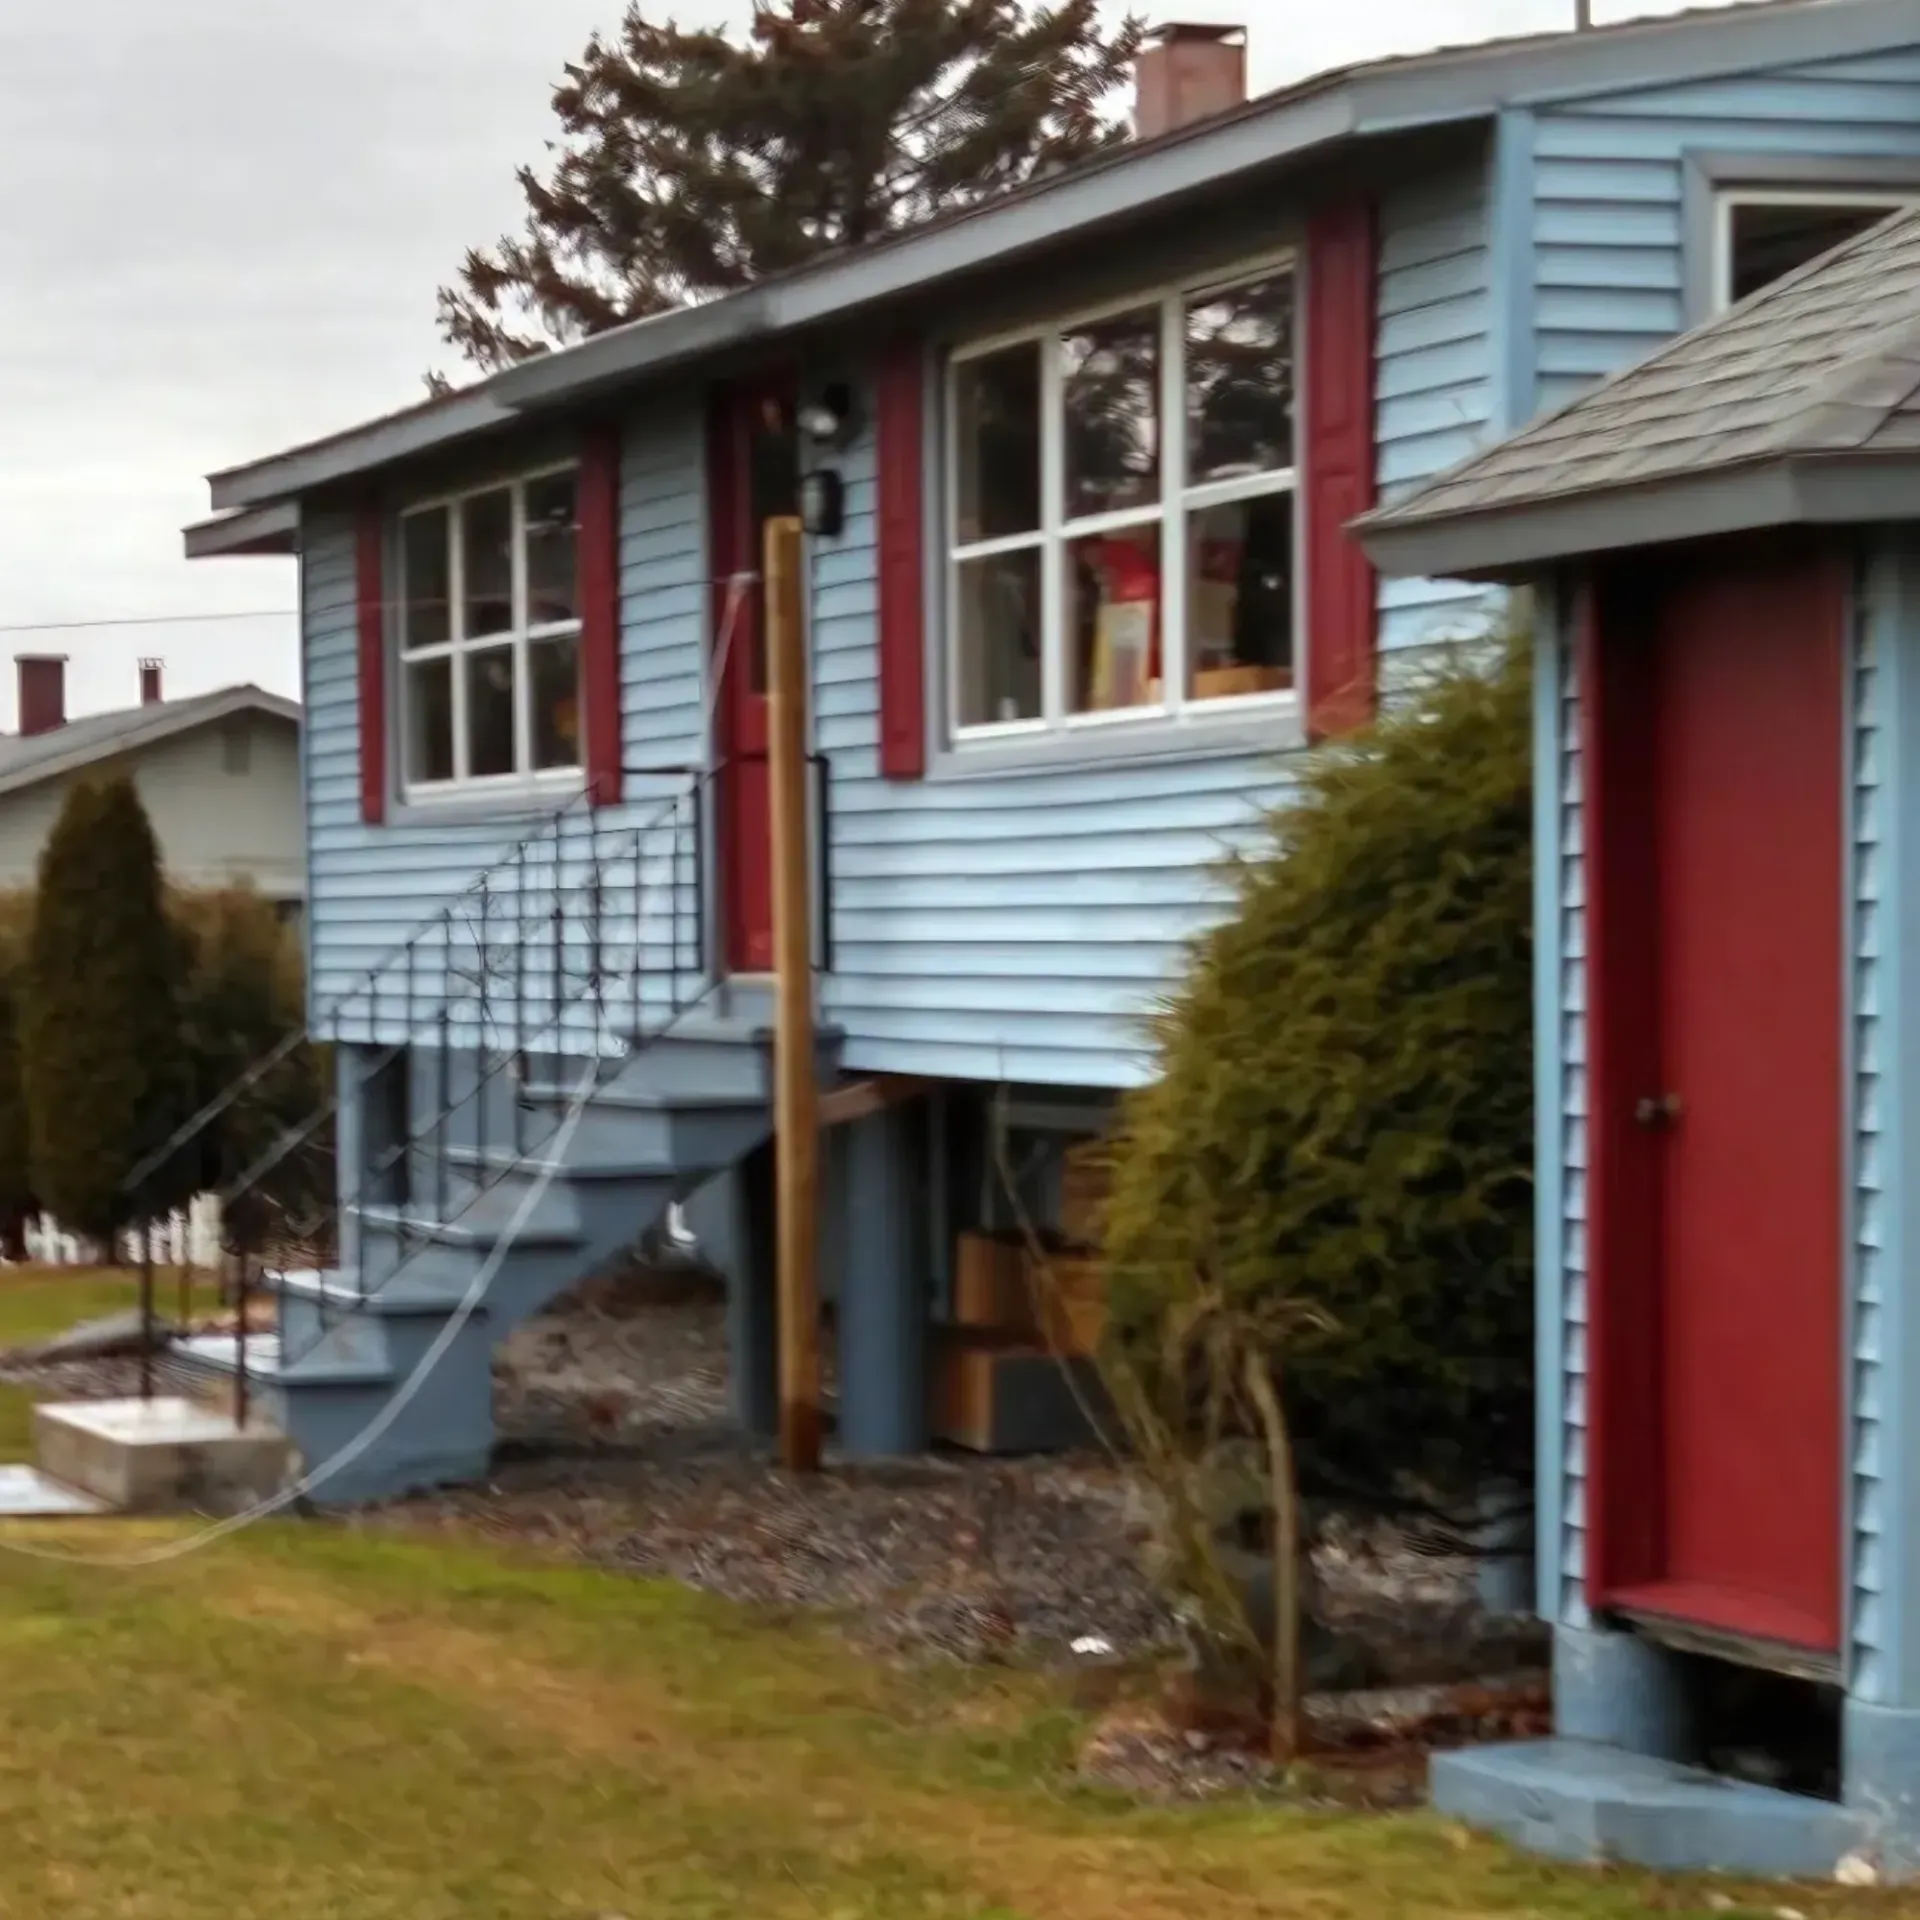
x=899, y=407
x=371, y=616
x=598, y=564
x=1337, y=391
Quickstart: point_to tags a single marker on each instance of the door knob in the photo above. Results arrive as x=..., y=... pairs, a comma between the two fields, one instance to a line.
x=1658, y=1110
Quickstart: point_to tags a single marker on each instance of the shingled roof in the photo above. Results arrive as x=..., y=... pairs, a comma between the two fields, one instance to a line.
x=27, y=759
x=1801, y=404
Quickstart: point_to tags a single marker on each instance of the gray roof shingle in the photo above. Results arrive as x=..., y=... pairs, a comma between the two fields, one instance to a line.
x=27, y=758
x=1823, y=362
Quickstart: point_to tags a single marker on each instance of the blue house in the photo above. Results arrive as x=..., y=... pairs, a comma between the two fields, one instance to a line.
x=1077, y=469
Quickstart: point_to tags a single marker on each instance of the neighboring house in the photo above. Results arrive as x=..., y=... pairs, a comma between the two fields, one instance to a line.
x=1077, y=469
x=218, y=774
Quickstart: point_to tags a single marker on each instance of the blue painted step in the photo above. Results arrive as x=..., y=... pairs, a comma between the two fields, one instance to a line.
x=688, y=1106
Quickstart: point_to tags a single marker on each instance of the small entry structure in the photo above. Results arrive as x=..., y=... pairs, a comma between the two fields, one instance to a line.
x=1721, y=551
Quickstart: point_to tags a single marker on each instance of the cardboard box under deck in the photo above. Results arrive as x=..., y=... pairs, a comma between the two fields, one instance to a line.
x=997, y=1394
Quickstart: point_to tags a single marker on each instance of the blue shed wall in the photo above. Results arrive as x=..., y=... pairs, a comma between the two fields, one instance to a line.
x=1873, y=847
x=1607, y=216
x=372, y=888
x=1560, y=1094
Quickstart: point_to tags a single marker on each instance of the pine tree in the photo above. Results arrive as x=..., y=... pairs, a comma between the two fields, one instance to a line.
x=101, y=1050
x=16, y=1192
x=691, y=164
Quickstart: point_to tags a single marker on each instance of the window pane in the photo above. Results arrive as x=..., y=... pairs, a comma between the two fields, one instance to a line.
x=996, y=405
x=486, y=551
x=1240, y=381
x=490, y=713
x=999, y=638
x=1112, y=401
x=1113, y=619
x=554, y=666
x=429, y=717
x=426, y=581
x=552, y=541
x=1240, y=598
x=1768, y=241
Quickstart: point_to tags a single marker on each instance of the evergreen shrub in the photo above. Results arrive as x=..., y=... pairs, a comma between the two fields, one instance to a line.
x=1339, y=1138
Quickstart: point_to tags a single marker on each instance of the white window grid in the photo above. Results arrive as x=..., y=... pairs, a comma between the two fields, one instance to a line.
x=1057, y=531
x=459, y=644
x=1884, y=199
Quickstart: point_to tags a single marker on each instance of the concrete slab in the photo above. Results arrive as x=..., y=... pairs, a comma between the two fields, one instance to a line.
x=1578, y=1800
x=160, y=1454
x=27, y=1494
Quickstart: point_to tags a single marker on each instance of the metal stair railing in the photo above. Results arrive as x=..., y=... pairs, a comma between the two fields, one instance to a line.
x=587, y=936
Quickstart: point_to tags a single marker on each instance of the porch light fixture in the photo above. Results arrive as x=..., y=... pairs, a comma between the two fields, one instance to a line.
x=829, y=420
x=823, y=503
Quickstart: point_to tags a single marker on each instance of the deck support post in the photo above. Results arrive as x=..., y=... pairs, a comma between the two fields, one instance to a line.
x=879, y=1256
x=796, y=1096
x=733, y=1220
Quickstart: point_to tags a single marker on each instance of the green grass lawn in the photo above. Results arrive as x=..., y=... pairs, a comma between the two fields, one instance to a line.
x=304, y=1719
x=310, y=1720
x=38, y=1302
x=35, y=1304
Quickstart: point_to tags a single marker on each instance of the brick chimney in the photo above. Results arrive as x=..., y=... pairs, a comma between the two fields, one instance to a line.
x=43, y=691
x=1185, y=73
x=150, y=682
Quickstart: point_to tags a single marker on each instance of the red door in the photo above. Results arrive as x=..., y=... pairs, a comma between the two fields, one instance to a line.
x=753, y=476
x=1720, y=1108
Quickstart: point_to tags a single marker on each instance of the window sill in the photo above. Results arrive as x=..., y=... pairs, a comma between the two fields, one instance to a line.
x=516, y=803
x=1278, y=728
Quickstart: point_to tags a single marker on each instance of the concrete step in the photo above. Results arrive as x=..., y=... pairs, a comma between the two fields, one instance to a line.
x=162, y=1455
x=28, y=1494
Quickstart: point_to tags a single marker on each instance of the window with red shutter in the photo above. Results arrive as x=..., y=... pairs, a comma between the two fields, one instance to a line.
x=900, y=450
x=1110, y=556
x=598, y=563
x=1337, y=456
x=504, y=656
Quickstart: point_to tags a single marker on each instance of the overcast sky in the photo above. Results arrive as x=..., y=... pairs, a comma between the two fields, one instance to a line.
x=228, y=238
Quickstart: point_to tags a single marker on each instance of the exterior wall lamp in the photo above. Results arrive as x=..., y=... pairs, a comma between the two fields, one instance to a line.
x=823, y=503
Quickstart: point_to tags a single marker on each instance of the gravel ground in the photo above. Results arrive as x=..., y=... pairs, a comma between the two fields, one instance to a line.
x=616, y=1449
x=71, y=1379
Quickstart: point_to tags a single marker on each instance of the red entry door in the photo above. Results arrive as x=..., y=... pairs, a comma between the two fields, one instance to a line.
x=1737, y=1396
x=753, y=476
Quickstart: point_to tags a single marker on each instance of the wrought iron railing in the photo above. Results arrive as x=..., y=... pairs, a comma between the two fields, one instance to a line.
x=587, y=937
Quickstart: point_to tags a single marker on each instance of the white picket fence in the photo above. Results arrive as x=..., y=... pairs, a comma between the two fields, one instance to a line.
x=189, y=1238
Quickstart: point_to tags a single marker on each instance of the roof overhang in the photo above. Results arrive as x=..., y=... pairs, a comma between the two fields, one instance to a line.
x=1527, y=539
x=254, y=530
x=1385, y=98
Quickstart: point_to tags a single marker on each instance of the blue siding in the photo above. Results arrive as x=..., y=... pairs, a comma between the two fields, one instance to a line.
x=1006, y=928
x=1560, y=1079
x=373, y=887
x=1608, y=188
x=1432, y=377
x=1870, y=843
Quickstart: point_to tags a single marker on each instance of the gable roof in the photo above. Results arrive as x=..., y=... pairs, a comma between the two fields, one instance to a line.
x=1802, y=403
x=1455, y=86
x=27, y=759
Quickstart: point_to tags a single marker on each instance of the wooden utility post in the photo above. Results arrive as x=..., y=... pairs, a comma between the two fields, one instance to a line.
x=796, y=1100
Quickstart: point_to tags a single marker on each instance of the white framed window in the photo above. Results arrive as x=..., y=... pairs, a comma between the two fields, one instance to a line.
x=1761, y=233
x=489, y=638
x=1120, y=511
